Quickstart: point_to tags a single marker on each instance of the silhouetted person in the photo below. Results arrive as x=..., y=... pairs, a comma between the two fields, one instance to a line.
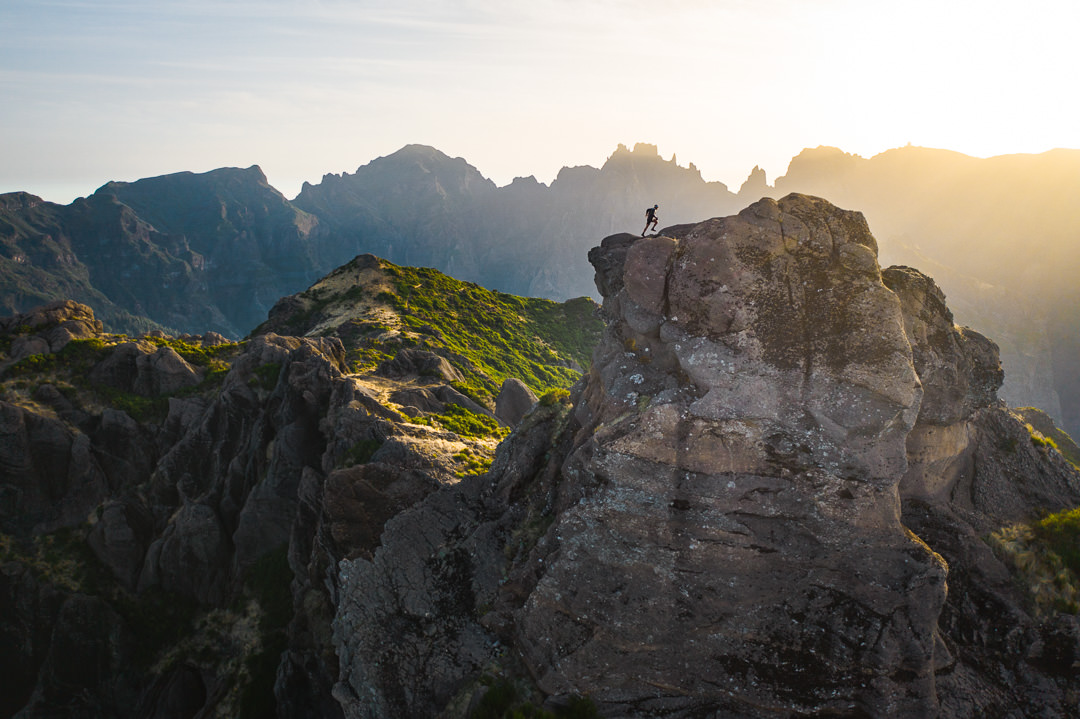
x=650, y=218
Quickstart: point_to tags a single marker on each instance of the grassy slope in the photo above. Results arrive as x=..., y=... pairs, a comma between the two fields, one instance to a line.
x=488, y=336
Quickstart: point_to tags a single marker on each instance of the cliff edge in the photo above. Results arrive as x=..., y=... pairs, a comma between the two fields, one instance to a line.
x=754, y=505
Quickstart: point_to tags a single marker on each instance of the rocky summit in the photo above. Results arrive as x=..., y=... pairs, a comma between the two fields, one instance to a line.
x=773, y=494
x=784, y=486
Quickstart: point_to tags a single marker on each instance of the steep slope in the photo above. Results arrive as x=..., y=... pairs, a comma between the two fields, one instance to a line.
x=721, y=525
x=42, y=251
x=418, y=206
x=999, y=234
x=173, y=509
x=248, y=243
x=376, y=308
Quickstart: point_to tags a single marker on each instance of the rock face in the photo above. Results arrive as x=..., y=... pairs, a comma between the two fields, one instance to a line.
x=513, y=401
x=129, y=538
x=215, y=250
x=768, y=497
x=719, y=526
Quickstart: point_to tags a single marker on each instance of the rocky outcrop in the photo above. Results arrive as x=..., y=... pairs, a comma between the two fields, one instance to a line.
x=716, y=528
x=48, y=329
x=123, y=527
x=145, y=369
x=513, y=401
x=418, y=363
x=768, y=496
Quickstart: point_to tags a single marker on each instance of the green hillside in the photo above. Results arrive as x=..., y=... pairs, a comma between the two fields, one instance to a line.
x=377, y=308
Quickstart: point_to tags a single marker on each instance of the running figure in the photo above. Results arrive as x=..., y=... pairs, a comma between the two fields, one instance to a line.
x=650, y=218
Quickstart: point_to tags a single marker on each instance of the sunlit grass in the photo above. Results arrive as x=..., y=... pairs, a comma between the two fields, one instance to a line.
x=1045, y=557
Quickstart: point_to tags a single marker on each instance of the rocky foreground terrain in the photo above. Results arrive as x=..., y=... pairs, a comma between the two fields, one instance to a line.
x=784, y=486
x=772, y=497
x=173, y=509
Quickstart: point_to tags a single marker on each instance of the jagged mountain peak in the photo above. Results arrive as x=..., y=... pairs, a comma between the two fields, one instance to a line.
x=718, y=527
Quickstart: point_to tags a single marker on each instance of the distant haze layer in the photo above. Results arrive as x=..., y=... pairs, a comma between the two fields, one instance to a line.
x=128, y=89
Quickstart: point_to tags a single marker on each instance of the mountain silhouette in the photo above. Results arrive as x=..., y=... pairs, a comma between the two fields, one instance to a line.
x=215, y=251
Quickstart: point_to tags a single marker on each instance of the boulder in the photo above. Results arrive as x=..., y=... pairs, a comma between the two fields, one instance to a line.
x=145, y=369
x=513, y=401
x=413, y=363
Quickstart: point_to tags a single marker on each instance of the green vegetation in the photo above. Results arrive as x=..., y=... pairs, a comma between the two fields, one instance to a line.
x=1044, y=433
x=1046, y=557
x=243, y=643
x=195, y=354
x=138, y=407
x=77, y=356
x=555, y=396
x=474, y=463
x=58, y=559
x=266, y=375
x=268, y=582
x=1061, y=534
x=70, y=368
x=467, y=423
x=64, y=560
x=1039, y=440
x=501, y=335
x=361, y=452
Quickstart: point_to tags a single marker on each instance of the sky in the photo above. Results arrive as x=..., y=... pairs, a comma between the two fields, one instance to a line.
x=100, y=90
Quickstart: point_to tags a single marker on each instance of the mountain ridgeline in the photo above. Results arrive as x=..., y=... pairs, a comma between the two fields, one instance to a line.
x=173, y=508
x=764, y=478
x=215, y=251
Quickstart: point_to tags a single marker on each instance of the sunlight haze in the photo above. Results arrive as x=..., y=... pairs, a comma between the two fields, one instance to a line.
x=120, y=90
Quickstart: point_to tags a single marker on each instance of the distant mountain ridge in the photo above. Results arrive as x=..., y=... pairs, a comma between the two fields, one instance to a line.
x=215, y=251
x=1001, y=236
x=418, y=206
x=783, y=485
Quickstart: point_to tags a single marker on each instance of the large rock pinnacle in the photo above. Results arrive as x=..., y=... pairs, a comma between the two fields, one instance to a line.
x=715, y=527
x=748, y=410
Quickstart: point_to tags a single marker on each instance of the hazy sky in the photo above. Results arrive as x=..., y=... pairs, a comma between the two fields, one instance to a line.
x=98, y=90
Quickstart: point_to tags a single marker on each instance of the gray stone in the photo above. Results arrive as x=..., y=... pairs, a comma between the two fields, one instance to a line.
x=716, y=528
x=513, y=401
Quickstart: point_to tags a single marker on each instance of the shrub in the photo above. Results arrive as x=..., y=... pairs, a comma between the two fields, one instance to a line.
x=1046, y=558
x=474, y=463
x=361, y=452
x=1061, y=534
x=466, y=423
x=34, y=364
x=1039, y=440
x=141, y=409
x=555, y=396
x=266, y=376
x=192, y=354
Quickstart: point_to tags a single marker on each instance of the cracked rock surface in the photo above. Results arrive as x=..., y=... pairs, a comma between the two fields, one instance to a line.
x=719, y=525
